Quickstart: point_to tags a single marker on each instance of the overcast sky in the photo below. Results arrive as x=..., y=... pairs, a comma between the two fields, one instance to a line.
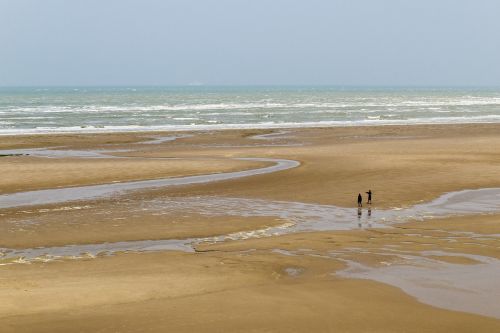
x=225, y=42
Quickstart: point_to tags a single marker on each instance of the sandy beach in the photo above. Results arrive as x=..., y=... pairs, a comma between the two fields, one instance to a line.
x=279, y=251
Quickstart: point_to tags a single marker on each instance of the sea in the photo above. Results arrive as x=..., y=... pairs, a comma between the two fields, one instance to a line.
x=30, y=110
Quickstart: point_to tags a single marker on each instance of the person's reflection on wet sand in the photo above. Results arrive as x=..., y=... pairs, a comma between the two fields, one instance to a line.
x=359, y=217
x=369, y=217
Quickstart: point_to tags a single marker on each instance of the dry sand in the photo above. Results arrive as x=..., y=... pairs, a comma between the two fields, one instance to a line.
x=244, y=285
x=32, y=173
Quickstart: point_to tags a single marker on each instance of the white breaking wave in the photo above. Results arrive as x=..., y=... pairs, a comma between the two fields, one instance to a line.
x=355, y=103
x=260, y=125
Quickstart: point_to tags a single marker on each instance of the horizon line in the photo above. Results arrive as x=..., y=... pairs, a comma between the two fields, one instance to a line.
x=345, y=86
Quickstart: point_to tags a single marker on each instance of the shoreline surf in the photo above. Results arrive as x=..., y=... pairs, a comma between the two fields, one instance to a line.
x=200, y=128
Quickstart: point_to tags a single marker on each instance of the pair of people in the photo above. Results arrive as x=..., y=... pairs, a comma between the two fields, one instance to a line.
x=360, y=198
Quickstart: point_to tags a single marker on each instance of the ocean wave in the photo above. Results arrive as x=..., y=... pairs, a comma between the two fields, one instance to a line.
x=30, y=118
x=259, y=125
x=136, y=108
x=360, y=104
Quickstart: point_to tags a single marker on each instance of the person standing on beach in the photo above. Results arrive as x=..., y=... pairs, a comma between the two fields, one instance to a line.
x=369, y=201
x=360, y=200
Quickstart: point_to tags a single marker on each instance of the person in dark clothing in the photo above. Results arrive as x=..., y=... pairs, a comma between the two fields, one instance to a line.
x=369, y=197
x=360, y=200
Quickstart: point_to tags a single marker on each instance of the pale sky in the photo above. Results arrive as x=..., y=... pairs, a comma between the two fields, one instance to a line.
x=250, y=42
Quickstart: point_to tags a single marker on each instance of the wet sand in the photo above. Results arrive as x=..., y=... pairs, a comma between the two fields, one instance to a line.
x=304, y=281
